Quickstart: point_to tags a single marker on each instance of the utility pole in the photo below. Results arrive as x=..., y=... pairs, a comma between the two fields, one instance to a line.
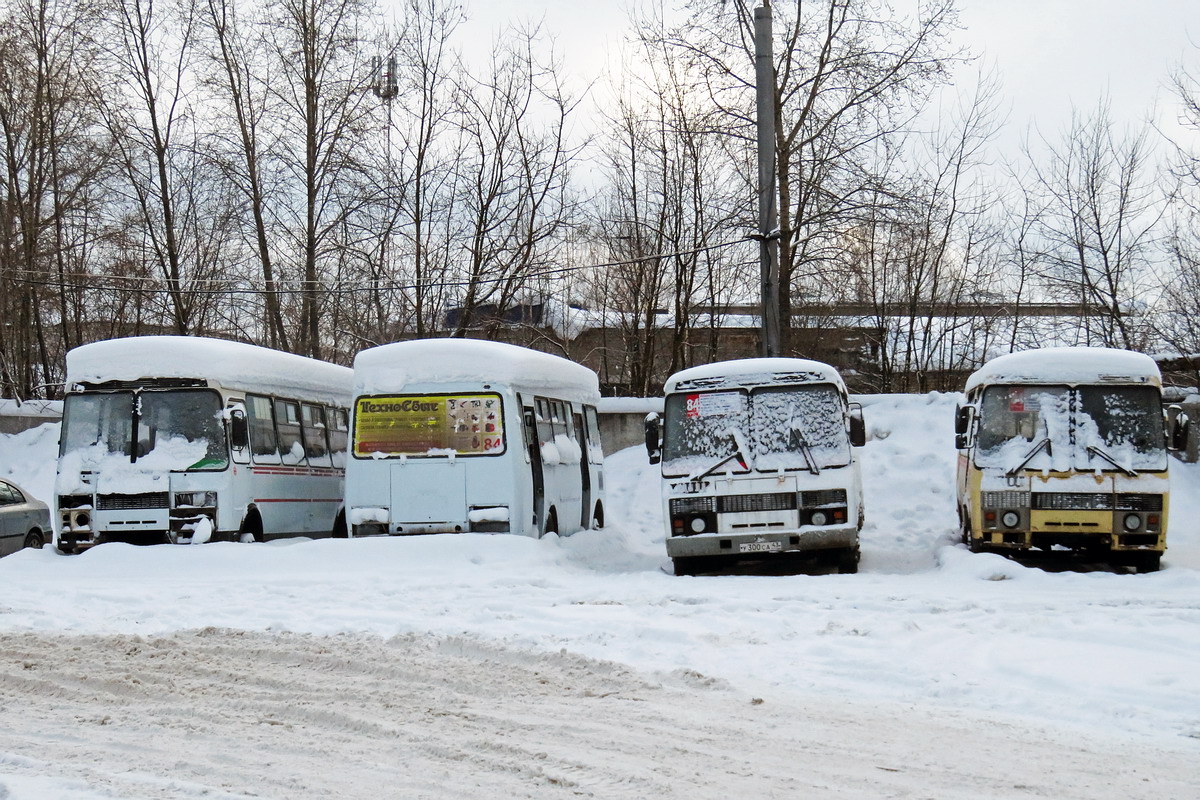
x=768, y=213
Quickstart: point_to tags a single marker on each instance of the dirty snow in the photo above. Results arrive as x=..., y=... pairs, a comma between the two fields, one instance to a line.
x=502, y=666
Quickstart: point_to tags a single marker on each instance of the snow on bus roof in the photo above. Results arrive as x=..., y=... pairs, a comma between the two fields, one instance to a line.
x=231, y=364
x=749, y=371
x=1068, y=365
x=395, y=367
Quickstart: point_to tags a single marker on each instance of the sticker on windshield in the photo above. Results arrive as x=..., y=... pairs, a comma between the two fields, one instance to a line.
x=1016, y=401
x=713, y=404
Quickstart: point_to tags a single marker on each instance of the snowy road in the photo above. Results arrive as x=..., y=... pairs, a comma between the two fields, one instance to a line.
x=932, y=673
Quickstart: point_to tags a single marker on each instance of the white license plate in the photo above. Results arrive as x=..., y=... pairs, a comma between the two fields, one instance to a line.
x=760, y=547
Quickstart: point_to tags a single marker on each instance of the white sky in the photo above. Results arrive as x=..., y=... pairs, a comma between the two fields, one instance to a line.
x=1050, y=53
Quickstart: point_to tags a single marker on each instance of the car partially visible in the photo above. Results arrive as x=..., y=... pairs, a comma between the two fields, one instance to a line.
x=24, y=520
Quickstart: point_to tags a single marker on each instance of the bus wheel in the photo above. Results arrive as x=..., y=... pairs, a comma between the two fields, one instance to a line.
x=598, y=517
x=35, y=540
x=847, y=561
x=251, y=528
x=1148, y=562
x=686, y=566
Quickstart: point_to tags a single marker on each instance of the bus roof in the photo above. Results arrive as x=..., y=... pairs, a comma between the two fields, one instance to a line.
x=396, y=367
x=231, y=364
x=753, y=372
x=1068, y=365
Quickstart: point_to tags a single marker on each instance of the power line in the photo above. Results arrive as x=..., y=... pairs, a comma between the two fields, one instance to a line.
x=339, y=287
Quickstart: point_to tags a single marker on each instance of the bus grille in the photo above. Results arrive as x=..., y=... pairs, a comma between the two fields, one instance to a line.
x=779, y=501
x=122, y=502
x=1140, y=502
x=823, y=497
x=1072, y=501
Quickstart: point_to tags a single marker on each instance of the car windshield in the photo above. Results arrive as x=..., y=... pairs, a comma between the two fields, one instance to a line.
x=1060, y=428
x=170, y=430
x=767, y=429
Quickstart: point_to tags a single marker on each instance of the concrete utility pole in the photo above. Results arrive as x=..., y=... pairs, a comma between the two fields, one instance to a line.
x=768, y=214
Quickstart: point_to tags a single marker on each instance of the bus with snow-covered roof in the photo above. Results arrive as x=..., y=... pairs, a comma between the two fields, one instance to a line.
x=181, y=439
x=758, y=461
x=1064, y=449
x=463, y=435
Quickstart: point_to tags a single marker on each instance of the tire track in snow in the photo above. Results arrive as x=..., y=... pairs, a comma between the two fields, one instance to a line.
x=229, y=714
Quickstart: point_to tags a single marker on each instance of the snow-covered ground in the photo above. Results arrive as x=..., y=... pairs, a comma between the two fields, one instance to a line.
x=499, y=666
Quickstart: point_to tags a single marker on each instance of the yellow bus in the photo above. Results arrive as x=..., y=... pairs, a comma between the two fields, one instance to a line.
x=1064, y=449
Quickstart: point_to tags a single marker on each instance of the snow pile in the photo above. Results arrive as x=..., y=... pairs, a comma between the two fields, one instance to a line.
x=28, y=459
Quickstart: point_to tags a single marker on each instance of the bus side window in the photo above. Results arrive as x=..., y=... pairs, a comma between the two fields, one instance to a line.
x=287, y=422
x=595, y=448
x=262, y=430
x=339, y=430
x=545, y=427
x=316, y=446
x=558, y=417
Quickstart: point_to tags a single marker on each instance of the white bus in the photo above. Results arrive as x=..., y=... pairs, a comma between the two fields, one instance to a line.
x=1064, y=449
x=459, y=435
x=758, y=461
x=185, y=439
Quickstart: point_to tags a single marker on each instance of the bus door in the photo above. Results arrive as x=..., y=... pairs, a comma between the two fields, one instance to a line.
x=535, y=464
x=585, y=471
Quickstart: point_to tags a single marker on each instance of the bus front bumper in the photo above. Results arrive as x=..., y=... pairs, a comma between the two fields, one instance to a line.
x=750, y=545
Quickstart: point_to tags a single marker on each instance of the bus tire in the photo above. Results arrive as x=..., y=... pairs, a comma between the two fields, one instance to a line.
x=847, y=561
x=252, y=528
x=1148, y=562
x=35, y=540
x=339, y=526
x=685, y=566
x=598, y=516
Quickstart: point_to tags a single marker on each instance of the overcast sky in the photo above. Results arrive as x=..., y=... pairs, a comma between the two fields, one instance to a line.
x=1050, y=53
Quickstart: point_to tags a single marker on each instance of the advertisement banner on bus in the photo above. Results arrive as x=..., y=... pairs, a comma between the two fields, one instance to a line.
x=417, y=425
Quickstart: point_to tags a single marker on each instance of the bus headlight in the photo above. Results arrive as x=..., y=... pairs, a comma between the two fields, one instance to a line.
x=1010, y=519
x=819, y=518
x=697, y=525
x=195, y=499
x=1132, y=522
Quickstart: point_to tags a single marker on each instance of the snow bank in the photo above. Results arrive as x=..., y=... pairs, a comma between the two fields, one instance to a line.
x=28, y=459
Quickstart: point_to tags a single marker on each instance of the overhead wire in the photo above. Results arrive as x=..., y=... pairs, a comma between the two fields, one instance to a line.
x=336, y=287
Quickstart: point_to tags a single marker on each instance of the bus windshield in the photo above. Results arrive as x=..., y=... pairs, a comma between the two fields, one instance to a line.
x=770, y=428
x=170, y=430
x=1061, y=428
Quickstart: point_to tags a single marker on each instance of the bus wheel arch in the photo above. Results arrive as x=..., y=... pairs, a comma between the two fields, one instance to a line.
x=339, y=530
x=551, y=521
x=598, y=516
x=251, y=529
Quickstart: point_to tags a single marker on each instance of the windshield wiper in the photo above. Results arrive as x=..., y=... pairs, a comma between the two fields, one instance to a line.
x=1092, y=450
x=737, y=453
x=1044, y=444
x=805, y=448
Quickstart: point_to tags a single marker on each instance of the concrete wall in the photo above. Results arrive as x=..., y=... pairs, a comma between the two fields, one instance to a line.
x=15, y=417
x=622, y=421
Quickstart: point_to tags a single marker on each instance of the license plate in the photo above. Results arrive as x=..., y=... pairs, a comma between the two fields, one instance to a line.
x=760, y=547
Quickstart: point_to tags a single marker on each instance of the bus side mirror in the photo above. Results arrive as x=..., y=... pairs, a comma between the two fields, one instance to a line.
x=239, y=434
x=858, y=427
x=963, y=417
x=1177, y=431
x=653, y=438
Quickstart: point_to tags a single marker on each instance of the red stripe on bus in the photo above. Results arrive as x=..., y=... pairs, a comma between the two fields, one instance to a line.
x=293, y=500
